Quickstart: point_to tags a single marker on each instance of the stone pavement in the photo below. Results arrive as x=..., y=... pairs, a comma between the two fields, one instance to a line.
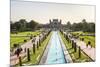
x=88, y=50
x=91, y=52
x=14, y=59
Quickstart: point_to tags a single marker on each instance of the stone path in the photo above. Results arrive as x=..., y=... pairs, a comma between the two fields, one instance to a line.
x=88, y=50
x=91, y=52
x=14, y=59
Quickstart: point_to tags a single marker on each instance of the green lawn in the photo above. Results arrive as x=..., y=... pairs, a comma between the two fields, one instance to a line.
x=86, y=38
x=38, y=53
x=14, y=39
x=89, y=38
x=80, y=32
x=27, y=33
x=74, y=55
x=77, y=33
x=17, y=40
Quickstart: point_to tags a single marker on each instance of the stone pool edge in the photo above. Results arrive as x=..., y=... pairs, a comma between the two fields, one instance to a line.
x=66, y=54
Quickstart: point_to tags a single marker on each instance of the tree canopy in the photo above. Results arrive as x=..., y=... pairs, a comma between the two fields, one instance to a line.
x=23, y=25
x=81, y=26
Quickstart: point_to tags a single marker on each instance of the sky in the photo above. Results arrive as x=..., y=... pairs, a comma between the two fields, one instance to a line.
x=42, y=12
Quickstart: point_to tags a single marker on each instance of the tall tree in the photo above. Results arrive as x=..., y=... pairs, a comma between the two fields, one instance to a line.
x=33, y=24
x=22, y=23
x=83, y=26
x=68, y=25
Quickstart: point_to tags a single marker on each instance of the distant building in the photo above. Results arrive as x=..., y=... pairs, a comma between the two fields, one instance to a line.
x=55, y=24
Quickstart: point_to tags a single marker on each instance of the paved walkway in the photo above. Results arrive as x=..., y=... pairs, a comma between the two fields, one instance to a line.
x=91, y=52
x=88, y=50
x=14, y=59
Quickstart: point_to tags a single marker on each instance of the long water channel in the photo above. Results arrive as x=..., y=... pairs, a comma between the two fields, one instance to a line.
x=55, y=53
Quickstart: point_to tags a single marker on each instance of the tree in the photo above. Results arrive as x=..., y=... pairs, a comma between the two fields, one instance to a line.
x=91, y=27
x=23, y=25
x=83, y=26
x=33, y=24
x=68, y=25
x=74, y=26
x=84, y=20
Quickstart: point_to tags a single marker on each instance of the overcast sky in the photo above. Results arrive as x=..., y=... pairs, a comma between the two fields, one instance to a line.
x=42, y=12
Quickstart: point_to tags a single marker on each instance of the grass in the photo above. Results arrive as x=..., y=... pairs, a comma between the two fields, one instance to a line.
x=89, y=38
x=14, y=39
x=74, y=55
x=77, y=33
x=80, y=32
x=38, y=53
x=27, y=33
x=17, y=40
x=86, y=38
